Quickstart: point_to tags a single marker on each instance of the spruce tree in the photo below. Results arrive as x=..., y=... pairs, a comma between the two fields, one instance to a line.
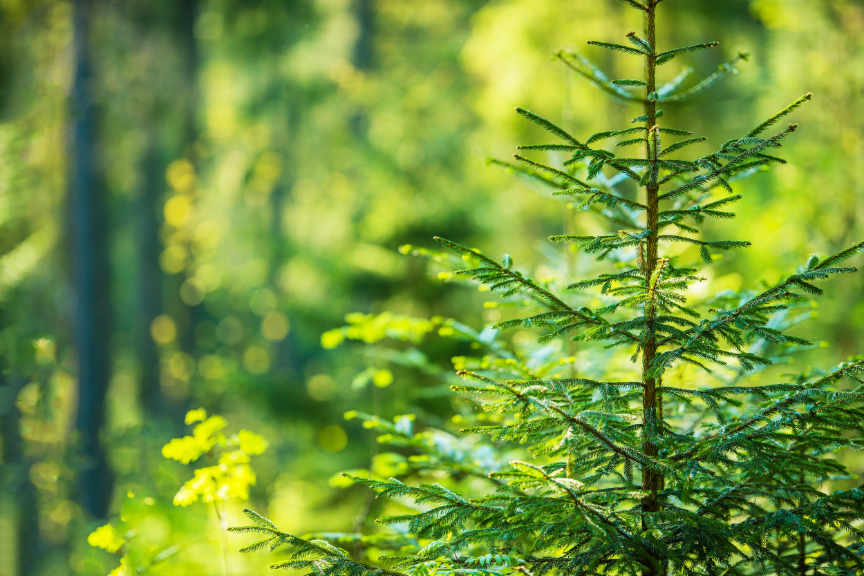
x=700, y=462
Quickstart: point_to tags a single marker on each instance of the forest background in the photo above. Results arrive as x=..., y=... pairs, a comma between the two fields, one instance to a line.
x=254, y=167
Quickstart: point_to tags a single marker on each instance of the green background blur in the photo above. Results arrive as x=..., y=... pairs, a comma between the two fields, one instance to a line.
x=261, y=161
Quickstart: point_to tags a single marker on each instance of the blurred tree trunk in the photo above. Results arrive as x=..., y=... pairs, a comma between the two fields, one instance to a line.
x=186, y=18
x=364, y=47
x=278, y=254
x=150, y=277
x=363, y=56
x=17, y=471
x=180, y=21
x=91, y=276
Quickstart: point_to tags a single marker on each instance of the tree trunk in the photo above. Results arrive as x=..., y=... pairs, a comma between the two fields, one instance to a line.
x=652, y=411
x=187, y=17
x=22, y=493
x=363, y=56
x=150, y=277
x=91, y=278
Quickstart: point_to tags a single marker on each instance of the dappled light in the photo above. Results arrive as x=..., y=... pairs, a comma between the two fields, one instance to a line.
x=442, y=287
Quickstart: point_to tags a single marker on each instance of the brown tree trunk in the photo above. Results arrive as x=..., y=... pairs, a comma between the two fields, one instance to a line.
x=652, y=481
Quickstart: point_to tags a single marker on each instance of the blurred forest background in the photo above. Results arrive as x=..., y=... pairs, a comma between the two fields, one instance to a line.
x=193, y=191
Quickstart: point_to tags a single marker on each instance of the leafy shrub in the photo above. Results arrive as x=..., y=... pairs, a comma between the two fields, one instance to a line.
x=226, y=476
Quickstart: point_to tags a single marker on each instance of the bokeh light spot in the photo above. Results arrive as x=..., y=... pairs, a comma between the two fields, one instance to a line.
x=173, y=259
x=177, y=210
x=332, y=438
x=275, y=326
x=190, y=294
x=180, y=175
x=320, y=387
x=163, y=330
x=211, y=367
x=382, y=378
x=256, y=359
x=230, y=330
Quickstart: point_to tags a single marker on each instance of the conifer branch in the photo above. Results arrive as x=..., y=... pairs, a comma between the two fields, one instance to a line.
x=611, y=133
x=704, y=180
x=587, y=382
x=785, y=112
x=623, y=451
x=319, y=556
x=695, y=337
x=577, y=145
x=533, y=174
x=680, y=145
x=594, y=515
x=618, y=47
x=635, y=4
x=844, y=370
x=551, y=170
x=670, y=87
x=505, y=277
x=722, y=71
x=590, y=72
x=608, y=198
x=547, y=147
x=698, y=211
x=549, y=126
x=642, y=43
x=668, y=55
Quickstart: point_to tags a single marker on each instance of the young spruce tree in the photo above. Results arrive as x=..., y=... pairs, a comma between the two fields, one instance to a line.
x=707, y=469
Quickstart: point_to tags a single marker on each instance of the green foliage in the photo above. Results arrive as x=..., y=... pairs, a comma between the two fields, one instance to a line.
x=230, y=475
x=693, y=458
x=228, y=479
